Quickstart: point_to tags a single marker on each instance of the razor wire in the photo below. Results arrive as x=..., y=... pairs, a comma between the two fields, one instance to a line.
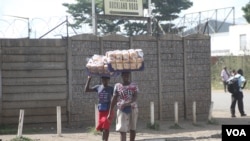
x=56, y=27
x=37, y=27
x=214, y=19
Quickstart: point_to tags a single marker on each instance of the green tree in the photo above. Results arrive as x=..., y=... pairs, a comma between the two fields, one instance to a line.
x=246, y=11
x=163, y=11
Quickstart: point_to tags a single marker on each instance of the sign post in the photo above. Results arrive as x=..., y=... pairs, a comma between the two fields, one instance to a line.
x=93, y=18
x=123, y=8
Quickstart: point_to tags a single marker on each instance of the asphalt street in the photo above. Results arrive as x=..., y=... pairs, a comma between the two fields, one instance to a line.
x=221, y=101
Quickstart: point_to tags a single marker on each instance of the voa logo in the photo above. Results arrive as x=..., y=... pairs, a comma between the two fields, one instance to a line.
x=236, y=132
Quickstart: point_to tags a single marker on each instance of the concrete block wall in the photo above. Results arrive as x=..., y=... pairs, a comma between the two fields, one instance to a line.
x=33, y=78
x=172, y=76
x=38, y=75
x=198, y=74
x=173, y=73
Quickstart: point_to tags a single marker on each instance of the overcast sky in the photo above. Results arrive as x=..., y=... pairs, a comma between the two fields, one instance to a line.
x=36, y=8
x=49, y=8
x=33, y=8
x=202, y=5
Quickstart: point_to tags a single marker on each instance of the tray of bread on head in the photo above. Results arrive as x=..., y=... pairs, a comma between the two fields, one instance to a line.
x=125, y=60
x=97, y=65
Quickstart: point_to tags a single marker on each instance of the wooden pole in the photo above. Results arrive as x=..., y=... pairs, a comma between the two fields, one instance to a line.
x=152, y=118
x=176, y=112
x=20, y=124
x=59, y=121
x=194, y=112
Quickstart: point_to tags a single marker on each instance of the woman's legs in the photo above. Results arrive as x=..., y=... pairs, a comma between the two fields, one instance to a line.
x=132, y=135
x=104, y=124
x=105, y=135
x=123, y=136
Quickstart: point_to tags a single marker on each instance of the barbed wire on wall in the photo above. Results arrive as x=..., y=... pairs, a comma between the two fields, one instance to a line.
x=209, y=21
x=21, y=27
x=205, y=22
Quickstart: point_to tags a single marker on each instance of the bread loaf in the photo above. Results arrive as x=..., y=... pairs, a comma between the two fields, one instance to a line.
x=125, y=56
x=132, y=55
x=110, y=56
x=126, y=65
x=100, y=68
x=131, y=59
x=139, y=60
x=138, y=65
x=119, y=66
x=113, y=65
x=95, y=64
x=133, y=65
x=118, y=56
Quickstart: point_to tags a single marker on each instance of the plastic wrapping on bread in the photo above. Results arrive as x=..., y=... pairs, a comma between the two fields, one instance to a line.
x=129, y=60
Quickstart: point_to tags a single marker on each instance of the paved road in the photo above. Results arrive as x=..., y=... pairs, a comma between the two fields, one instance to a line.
x=222, y=101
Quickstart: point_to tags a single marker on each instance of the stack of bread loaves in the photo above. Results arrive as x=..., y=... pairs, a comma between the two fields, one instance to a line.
x=115, y=61
x=131, y=59
x=97, y=64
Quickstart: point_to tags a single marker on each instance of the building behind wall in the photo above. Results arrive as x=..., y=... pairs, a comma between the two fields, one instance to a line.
x=234, y=42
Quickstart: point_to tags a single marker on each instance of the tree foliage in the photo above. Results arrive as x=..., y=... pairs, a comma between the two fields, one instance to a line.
x=246, y=11
x=163, y=11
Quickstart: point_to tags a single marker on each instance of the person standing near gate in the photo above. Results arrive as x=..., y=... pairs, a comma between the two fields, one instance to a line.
x=224, y=77
x=105, y=93
x=124, y=97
